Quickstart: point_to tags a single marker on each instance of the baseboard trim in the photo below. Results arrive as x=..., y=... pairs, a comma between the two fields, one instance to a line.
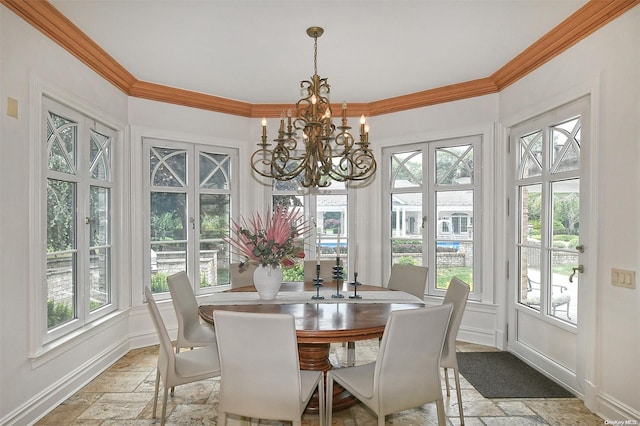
x=611, y=410
x=56, y=393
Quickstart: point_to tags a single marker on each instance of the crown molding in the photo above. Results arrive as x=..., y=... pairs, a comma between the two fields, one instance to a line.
x=586, y=20
x=589, y=18
x=453, y=92
x=172, y=95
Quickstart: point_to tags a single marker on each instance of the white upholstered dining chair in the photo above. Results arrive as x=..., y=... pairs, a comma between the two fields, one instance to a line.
x=241, y=277
x=191, y=331
x=456, y=296
x=406, y=373
x=408, y=278
x=326, y=270
x=260, y=370
x=411, y=279
x=181, y=368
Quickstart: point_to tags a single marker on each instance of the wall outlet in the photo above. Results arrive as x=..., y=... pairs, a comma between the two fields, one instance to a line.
x=623, y=278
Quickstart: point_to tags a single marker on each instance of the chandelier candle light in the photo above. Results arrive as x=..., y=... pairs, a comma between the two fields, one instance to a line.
x=317, y=281
x=338, y=275
x=327, y=152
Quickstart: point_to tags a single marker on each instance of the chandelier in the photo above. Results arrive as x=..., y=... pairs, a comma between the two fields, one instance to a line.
x=326, y=152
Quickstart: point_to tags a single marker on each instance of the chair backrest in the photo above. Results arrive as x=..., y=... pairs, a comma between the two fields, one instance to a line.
x=184, y=302
x=166, y=356
x=242, y=277
x=409, y=278
x=407, y=371
x=456, y=295
x=326, y=270
x=260, y=371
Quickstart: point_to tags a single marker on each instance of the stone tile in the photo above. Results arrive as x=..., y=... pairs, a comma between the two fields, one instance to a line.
x=191, y=414
x=123, y=396
x=120, y=381
x=477, y=408
x=514, y=420
x=63, y=414
x=113, y=410
x=83, y=398
x=137, y=360
x=564, y=412
x=515, y=408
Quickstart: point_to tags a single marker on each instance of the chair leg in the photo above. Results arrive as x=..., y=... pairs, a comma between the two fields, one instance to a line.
x=382, y=419
x=164, y=405
x=222, y=418
x=351, y=354
x=155, y=393
x=459, y=394
x=173, y=388
x=446, y=380
x=442, y=420
x=321, y=401
x=328, y=412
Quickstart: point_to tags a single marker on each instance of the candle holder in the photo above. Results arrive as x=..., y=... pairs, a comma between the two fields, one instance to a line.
x=317, y=283
x=338, y=276
x=355, y=285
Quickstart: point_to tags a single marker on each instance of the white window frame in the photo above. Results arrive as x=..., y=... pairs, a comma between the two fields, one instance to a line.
x=428, y=190
x=311, y=214
x=42, y=341
x=193, y=241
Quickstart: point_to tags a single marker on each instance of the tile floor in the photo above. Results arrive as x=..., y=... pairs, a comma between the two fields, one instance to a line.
x=123, y=395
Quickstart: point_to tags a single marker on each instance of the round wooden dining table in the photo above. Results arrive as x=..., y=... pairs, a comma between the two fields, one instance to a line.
x=319, y=324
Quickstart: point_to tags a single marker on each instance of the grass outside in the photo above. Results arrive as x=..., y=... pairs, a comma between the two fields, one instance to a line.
x=444, y=275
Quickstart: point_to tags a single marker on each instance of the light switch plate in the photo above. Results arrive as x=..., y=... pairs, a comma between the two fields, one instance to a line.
x=623, y=278
x=12, y=107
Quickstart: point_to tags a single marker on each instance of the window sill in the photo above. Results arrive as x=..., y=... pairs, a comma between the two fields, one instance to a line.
x=61, y=346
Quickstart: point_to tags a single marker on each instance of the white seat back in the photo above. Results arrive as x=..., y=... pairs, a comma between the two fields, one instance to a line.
x=457, y=295
x=261, y=375
x=326, y=270
x=191, y=332
x=408, y=278
x=408, y=365
x=241, y=277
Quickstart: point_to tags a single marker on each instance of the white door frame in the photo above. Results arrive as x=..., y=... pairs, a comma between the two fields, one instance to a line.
x=585, y=375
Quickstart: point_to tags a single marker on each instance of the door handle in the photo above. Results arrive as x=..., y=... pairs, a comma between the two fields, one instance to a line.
x=580, y=269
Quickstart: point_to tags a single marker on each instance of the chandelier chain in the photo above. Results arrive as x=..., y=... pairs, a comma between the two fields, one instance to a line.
x=315, y=55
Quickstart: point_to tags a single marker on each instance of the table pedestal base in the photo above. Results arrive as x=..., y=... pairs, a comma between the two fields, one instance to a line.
x=315, y=356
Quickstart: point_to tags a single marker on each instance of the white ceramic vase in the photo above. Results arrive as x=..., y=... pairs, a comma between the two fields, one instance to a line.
x=267, y=280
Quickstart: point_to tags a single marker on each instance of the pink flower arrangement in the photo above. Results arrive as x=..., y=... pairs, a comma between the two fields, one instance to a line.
x=271, y=241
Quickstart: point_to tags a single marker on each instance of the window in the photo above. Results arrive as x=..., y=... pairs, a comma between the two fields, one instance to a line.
x=328, y=211
x=190, y=203
x=433, y=192
x=79, y=197
x=548, y=188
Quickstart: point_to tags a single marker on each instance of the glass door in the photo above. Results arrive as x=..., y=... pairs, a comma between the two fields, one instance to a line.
x=549, y=222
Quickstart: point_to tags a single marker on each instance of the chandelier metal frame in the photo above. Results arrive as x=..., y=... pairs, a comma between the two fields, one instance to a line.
x=330, y=152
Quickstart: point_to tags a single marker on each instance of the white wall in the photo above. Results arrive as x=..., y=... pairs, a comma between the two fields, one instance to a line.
x=29, y=388
x=27, y=55
x=607, y=65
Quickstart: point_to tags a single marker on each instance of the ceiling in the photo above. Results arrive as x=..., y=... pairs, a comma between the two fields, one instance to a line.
x=258, y=51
